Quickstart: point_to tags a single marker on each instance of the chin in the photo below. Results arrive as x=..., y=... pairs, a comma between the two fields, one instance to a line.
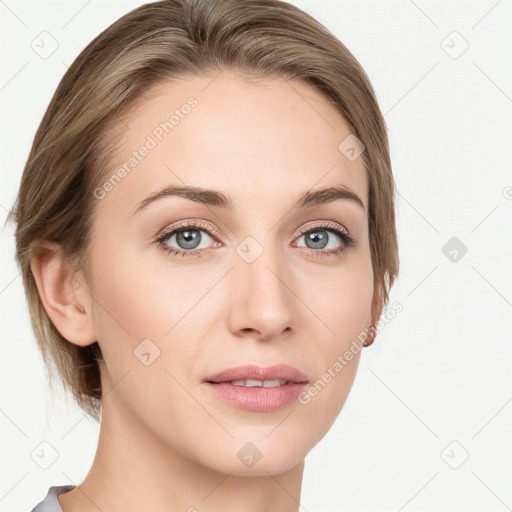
x=255, y=455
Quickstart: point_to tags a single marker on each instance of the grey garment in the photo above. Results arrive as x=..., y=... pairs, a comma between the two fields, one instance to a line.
x=50, y=503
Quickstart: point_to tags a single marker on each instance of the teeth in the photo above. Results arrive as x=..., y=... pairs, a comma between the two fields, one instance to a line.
x=249, y=383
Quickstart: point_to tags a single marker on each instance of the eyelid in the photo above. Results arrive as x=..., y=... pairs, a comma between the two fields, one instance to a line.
x=323, y=224
x=187, y=224
x=210, y=227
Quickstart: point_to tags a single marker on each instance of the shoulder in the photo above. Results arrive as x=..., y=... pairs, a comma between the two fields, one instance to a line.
x=50, y=502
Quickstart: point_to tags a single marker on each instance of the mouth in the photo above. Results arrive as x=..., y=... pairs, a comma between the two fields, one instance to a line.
x=258, y=389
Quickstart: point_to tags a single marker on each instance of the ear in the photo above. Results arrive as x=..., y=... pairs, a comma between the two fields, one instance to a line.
x=375, y=313
x=64, y=295
x=376, y=309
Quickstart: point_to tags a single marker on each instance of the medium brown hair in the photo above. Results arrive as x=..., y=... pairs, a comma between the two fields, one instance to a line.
x=152, y=44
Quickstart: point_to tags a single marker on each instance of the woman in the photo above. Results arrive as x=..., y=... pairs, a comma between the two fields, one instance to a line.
x=206, y=233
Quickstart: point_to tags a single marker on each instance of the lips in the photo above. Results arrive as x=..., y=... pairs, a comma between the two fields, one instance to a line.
x=254, y=372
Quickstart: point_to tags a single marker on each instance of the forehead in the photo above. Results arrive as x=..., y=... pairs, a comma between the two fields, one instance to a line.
x=262, y=139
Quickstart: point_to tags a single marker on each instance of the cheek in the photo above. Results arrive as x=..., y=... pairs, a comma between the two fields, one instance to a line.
x=138, y=296
x=146, y=305
x=342, y=302
x=148, y=331
x=341, y=298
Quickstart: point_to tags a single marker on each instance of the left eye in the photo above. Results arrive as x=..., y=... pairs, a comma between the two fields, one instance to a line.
x=318, y=238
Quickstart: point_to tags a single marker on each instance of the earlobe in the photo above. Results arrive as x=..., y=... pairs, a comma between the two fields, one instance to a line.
x=63, y=295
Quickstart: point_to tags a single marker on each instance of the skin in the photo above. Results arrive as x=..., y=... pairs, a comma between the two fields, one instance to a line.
x=166, y=443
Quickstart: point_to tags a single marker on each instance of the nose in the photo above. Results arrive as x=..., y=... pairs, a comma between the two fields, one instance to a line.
x=263, y=305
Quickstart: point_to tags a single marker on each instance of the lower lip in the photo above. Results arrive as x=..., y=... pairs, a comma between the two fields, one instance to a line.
x=258, y=399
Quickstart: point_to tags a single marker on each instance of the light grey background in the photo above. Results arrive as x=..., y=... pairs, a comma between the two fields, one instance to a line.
x=435, y=388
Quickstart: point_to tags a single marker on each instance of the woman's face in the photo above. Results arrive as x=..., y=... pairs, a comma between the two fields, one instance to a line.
x=248, y=285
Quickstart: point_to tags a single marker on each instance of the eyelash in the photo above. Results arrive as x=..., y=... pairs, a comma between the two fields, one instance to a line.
x=347, y=240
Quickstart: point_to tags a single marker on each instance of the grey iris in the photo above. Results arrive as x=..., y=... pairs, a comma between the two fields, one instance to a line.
x=188, y=239
x=318, y=241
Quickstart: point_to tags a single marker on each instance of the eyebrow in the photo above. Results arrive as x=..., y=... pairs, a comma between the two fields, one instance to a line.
x=307, y=199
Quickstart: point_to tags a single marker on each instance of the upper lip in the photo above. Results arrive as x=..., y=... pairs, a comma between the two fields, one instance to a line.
x=254, y=372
